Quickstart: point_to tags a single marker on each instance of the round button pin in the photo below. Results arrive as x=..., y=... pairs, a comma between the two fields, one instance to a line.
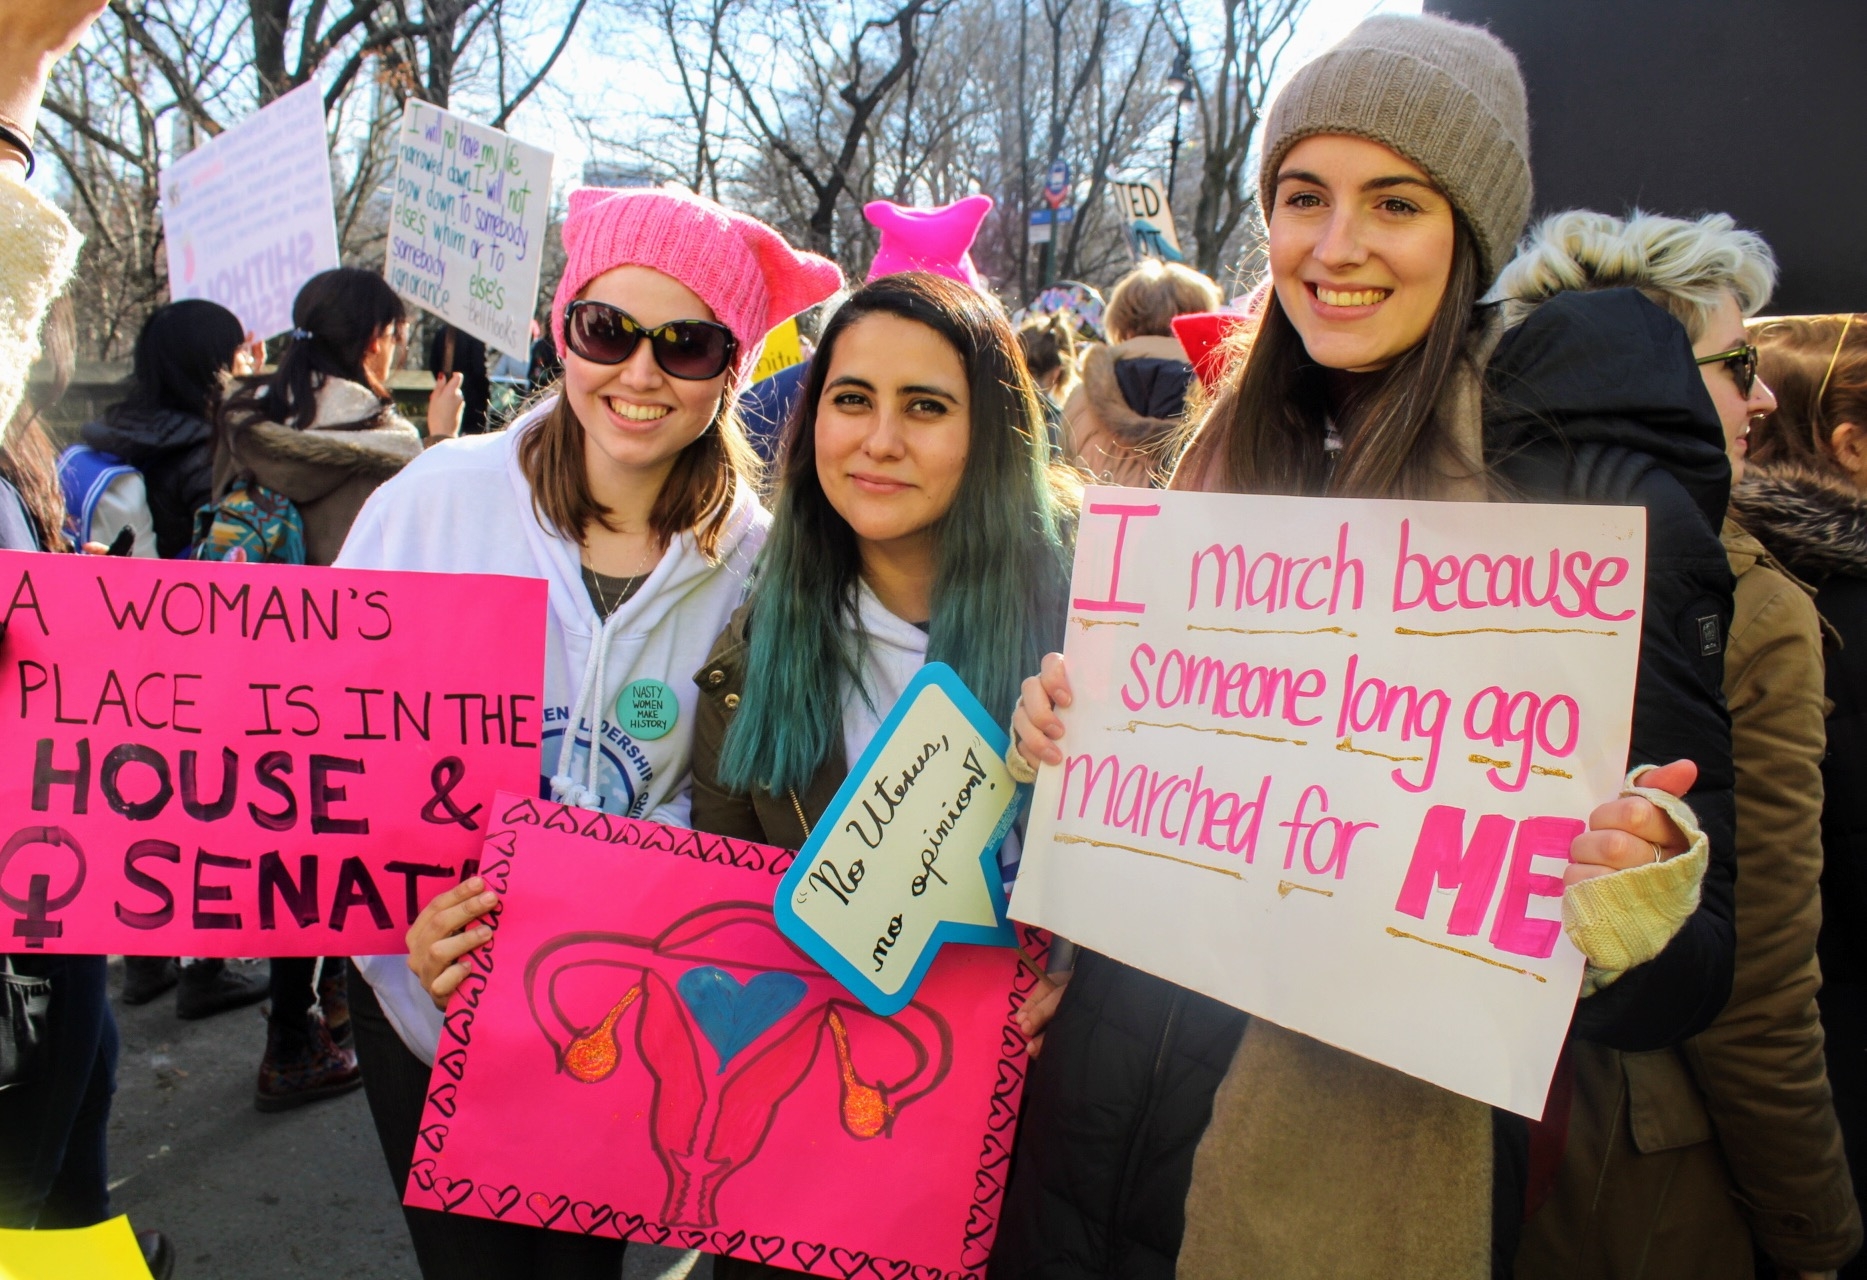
x=647, y=709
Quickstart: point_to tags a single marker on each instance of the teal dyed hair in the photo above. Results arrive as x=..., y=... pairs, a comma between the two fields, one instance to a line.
x=998, y=599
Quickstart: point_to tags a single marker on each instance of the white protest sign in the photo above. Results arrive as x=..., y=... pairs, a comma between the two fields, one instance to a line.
x=248, y=215
x=1326, y=756
x=904, y=859
x=466, y=235
x=1146, y=219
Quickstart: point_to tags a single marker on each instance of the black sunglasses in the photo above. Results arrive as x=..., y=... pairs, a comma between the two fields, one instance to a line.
x=1742, y=362
x=692, y=350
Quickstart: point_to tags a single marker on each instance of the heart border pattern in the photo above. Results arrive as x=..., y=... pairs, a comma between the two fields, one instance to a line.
x=989, y=1180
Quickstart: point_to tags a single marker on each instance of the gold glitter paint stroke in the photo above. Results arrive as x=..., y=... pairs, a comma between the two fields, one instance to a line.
x=1132, y=725
x=1147, y=853
x=1460, y=951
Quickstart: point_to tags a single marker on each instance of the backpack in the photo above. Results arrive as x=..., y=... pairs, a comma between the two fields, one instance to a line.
x=85, y=476
x=251, y=524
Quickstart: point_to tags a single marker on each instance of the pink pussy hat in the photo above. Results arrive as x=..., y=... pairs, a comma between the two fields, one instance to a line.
x=937, y=240
x=745, y=271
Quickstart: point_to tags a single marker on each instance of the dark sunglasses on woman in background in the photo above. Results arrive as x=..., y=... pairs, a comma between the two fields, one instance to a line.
x=692, y=350
x=1741, y=361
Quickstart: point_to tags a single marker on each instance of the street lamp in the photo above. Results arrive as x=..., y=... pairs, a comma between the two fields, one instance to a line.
x=1180, y=84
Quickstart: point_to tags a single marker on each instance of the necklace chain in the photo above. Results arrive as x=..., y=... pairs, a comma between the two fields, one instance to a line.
x=602, y=597
x=596, y=582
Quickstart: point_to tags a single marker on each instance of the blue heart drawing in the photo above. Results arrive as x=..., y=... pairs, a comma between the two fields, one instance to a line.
x=734, y=1015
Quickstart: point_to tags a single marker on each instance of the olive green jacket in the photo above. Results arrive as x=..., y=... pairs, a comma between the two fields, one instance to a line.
x=1679, y=1158
x=783, y=820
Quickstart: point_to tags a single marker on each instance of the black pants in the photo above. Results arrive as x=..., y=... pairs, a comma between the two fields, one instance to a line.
x=292, y=991
x=52, y=1162
x=725, y=1268
x=452, y=1246
x=1844, y=1023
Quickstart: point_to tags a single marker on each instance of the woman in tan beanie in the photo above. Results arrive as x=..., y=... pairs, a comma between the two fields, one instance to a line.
x=1166, y=1134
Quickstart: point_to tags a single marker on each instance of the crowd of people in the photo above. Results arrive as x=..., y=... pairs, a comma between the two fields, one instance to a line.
x=787, y=556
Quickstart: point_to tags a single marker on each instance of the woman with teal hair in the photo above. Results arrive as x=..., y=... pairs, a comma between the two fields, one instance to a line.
x=917, y=520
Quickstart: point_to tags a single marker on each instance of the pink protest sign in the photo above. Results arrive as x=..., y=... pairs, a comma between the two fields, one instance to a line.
x=642, y=1054
x=228, y=759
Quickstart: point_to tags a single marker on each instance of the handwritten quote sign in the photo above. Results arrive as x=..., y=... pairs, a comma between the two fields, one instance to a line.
x=639, y=1053
x=904, y=859
x=217, y=759
x=1326, y=757
x=466, y=233
x=249, y=216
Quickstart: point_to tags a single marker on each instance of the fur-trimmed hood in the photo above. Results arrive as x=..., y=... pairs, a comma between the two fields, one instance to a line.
x=1815, y=523
x=354, y=437
x=1126, y=409
x=1159, y=373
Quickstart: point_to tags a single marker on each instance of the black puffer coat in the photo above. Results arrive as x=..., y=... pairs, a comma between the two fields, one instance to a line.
x=1593, y=399
x=175, y=453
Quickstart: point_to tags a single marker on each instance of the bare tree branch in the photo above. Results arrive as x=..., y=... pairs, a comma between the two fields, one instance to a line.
x=509, y=105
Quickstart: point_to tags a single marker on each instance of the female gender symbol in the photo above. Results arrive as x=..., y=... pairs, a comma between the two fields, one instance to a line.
x=36, y=907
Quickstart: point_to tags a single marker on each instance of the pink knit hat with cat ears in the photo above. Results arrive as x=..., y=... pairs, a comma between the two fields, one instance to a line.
x=739, y=267
x=937, y=240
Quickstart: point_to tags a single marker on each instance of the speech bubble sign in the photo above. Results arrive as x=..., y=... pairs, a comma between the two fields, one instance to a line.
x=904, y=860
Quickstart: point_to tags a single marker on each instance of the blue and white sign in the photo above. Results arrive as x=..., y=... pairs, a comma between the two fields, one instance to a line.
x=1057, y=185
x=905, y=859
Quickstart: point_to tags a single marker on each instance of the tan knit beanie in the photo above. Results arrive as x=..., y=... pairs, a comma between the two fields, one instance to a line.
x=1446, y=96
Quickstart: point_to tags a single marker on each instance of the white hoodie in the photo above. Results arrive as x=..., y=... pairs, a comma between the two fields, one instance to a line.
x=465, y=507
x=895, y=653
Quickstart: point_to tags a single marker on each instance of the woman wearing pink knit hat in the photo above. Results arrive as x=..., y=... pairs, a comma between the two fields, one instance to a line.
x=628, y=488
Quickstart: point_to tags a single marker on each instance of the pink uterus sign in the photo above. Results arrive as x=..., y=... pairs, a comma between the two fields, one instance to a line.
x=640, y=1053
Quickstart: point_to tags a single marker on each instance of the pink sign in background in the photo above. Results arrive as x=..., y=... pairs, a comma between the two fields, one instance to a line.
x=639, y=1053
x=214, y=759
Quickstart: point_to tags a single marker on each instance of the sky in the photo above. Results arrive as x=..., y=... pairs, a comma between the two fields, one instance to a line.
x=1327, y=21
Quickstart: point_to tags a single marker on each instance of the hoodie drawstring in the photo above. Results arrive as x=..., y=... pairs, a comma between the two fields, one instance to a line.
x=564, y=788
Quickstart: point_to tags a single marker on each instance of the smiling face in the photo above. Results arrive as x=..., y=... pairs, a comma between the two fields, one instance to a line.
x=635, y=417
x=1360, y=250
x=893, y=428
x=1736, y=411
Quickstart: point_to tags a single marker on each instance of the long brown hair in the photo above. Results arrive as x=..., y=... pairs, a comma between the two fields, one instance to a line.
x=29, y=464
x=697, y=495
x=340, y=312
x=28, y=461
x=1264, y=431
x=1817, y=367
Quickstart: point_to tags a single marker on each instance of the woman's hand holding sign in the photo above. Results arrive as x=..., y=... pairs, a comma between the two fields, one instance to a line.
x=1039, y=1009
x=443, y=934
x=1035, y=728
x=1631, y=832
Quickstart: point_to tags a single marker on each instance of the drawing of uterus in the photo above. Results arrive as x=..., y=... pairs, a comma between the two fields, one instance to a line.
x=729, y=1019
